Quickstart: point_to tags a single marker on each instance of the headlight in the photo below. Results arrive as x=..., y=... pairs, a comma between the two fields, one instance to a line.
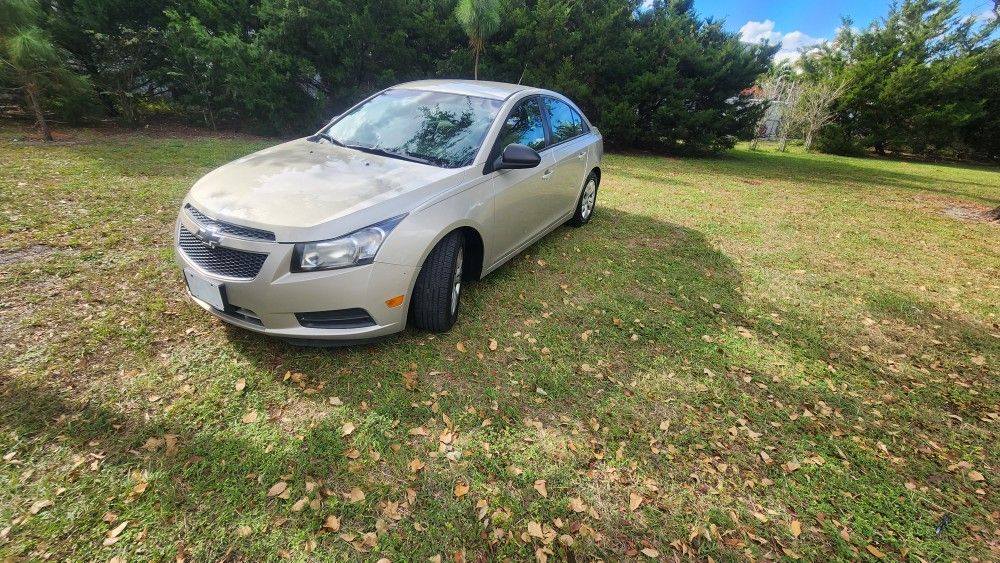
x=355, y=249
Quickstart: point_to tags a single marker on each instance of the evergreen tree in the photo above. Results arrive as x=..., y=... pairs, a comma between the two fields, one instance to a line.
x=30, y=60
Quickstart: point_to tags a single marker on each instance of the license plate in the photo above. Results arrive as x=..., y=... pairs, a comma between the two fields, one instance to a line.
x=205, y=290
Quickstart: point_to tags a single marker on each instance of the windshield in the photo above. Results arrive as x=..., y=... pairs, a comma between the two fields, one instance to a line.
x=430, y=127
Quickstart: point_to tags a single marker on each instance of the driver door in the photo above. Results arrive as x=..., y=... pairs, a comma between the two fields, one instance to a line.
x=518, y=212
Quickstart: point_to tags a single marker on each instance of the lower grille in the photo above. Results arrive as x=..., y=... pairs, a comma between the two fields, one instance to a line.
x=245, y=315
x=221, y=261
x=343, y=318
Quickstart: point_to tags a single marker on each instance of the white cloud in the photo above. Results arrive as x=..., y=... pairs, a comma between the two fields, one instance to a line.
x=755, y=32
x=791, y=42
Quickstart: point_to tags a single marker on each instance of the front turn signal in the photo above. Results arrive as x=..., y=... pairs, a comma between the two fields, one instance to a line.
x=394, y=302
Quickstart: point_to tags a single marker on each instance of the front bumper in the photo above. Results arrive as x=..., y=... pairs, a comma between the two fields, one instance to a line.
x=270, y=301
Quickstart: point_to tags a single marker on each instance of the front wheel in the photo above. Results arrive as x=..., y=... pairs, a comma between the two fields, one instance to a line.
x=586, y=203
x=438, y=290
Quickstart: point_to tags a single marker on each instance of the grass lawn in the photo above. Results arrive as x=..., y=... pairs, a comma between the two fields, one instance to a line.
x=760, y=355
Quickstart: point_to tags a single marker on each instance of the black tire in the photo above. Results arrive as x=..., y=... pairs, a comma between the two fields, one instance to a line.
x=583, y=214
x=433, y=308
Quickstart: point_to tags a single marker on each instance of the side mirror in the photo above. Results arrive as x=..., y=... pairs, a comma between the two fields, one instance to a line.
x=517, y=157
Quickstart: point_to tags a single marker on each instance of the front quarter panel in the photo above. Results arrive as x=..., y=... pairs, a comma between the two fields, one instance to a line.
x=415, y=237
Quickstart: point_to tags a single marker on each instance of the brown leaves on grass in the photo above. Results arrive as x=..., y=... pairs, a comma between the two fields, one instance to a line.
x=332, y=523
x=410, y=380
x=347, y=429
x=540, y=487
x=461, y=489
x=876, y=552
x=40, y=505
x=113, y=535
x=277, y=488
x=356, y=495
x=634, y=501
x=250, y=417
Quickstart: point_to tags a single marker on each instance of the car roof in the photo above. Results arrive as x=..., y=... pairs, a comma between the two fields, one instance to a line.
x=477, y=88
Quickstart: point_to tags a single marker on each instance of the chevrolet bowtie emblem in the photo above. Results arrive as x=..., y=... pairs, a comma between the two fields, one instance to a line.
x=209, y=235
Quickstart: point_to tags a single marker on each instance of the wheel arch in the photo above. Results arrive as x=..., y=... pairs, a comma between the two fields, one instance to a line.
x=596, y=171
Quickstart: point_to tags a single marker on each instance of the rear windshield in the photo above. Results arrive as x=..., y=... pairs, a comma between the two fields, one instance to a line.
x=441, y=129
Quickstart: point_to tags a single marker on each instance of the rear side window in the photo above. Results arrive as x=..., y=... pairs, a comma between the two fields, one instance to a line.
x=524, y=126
x=564, y=122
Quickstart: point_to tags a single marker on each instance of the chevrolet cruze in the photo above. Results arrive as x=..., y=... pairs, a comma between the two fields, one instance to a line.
x=381, y=217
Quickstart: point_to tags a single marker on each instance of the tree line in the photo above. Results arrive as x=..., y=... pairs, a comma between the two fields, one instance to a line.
x=658, y=77
x=924, y=80
x=654, y=76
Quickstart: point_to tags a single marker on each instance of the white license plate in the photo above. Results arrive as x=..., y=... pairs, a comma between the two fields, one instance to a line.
x=205, y=290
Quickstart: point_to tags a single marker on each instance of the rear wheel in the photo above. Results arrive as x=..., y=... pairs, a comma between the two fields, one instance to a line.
x=586, y=203
x=438, y=291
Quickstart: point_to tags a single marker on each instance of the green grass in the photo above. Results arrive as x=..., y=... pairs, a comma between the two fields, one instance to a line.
x=775, y=309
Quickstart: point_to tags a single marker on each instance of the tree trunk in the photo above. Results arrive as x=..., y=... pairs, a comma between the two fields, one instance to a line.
x=475, y=71
x=31, y=89
x=809, y=138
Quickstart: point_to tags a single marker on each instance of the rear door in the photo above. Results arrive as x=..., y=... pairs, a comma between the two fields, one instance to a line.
x=518, y=213
x=569, y=141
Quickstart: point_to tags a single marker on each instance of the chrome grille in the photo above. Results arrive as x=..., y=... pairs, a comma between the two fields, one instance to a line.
x=228, y=228
x=221, y=261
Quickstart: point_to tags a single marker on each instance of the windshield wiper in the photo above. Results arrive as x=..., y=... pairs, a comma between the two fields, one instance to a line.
x=327, y=137
x=390, y=154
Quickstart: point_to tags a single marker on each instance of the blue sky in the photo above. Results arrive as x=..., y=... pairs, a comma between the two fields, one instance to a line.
x=801, y=23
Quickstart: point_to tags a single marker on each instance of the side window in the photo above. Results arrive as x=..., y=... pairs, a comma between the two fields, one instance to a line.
x=524, y=126
x=564, y=122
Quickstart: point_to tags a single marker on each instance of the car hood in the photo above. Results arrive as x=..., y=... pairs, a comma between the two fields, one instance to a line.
x=302, y=184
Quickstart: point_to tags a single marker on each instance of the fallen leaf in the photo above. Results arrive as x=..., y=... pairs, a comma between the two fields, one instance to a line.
x=461, y=489
x=634, y=500
x=976, y=476
x=460, y=346
x=300, y=504
x=577, y=505
x=140, y=488
x=791, y=466
x=277, y=488
x=241, y=384
x=540, y=487
x=335, y=401
x=650, y=552
x=347, y=429
x=493, y=344
x=979, y=360
x=796, y=528
x=40, y=505
x=535, y=530
x=112, y=536
x=416, y=465
x=250, y=417
x=332, y=523
x=356, y=495
x=243, y=531
x=875, y=551
x=410, y=380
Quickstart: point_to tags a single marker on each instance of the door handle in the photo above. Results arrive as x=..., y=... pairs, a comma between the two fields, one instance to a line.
x=581, y=155
x=546, y=174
